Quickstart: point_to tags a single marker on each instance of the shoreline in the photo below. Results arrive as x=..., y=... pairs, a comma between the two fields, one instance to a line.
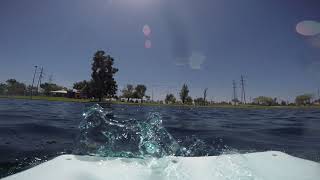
x=246, y=106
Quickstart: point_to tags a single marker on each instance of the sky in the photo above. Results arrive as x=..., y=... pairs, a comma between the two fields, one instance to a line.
x=274, y=44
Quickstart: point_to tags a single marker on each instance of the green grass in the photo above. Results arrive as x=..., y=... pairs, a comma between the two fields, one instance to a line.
x=47, y=98
x=242, y=106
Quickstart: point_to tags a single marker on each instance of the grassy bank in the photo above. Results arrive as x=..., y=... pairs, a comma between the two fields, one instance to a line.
x=243, y=106
x=47, y=98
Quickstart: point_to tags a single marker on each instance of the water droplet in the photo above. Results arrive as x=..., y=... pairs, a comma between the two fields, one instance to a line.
x=146, y=30
x=147, y=44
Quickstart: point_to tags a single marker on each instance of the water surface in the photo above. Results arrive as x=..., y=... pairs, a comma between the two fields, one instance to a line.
x=35, y=131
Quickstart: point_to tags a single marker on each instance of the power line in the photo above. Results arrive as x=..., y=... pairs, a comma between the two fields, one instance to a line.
x=243, y=92
x=234, y=91
x=39, y=81
x=50, y=79
x=34, y=75
x=152, y=94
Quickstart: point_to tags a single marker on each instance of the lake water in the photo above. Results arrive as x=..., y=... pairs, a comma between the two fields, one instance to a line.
x=34, y=131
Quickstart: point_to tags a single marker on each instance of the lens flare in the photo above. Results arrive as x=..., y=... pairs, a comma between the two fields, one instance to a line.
x=146, y=30
x=147, y=44
x=315, y=41
x=308, y=28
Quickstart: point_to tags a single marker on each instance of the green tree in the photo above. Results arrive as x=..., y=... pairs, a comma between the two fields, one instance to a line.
x=148, y=98
x=199, y=101
x=103, y=82
x=184, y=93
x=28, y=90
x=189, y=100
x=128, y=92
x=80, y=85
x=48, y=87
x=15, y=88
x=140, y=91
x=275, y=102
x=263, y=100
x=3, y=88
x=170, y=99
x=303, y=99
x=283, y=103
x=84, y=87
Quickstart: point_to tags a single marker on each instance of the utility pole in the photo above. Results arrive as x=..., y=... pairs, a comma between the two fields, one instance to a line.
x=318, y=100
x=34, y=75
x=39, y=81
x=205, y=96
x=152, y=93
x=234, y=91
x=243, y=92
x=50, y=79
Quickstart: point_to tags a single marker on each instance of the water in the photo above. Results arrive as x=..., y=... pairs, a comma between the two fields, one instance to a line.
x=35, y=131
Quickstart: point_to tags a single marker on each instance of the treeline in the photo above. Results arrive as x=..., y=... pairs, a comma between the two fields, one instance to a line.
x=103, y=85
x=131, y=93
x=304, y=99
x=12, y=87
x=186, y=99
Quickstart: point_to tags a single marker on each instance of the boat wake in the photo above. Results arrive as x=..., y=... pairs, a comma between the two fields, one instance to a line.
x=106, y=134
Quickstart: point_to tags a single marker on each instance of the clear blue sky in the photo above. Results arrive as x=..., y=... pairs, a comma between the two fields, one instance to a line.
x=204, y=43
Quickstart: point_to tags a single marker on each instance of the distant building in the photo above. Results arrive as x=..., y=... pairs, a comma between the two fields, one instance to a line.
x=76, y=94
x=59, y=93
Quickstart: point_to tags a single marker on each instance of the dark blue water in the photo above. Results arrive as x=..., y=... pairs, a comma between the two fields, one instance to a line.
x=34, y=131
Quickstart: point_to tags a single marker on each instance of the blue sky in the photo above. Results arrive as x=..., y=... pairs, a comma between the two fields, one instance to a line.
x=205, y=44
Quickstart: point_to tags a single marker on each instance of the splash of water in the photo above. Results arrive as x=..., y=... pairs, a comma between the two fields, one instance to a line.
x=104, y=134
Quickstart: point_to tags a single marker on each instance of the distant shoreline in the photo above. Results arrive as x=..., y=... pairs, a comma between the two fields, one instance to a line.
x=246, y=106
x=46, y=98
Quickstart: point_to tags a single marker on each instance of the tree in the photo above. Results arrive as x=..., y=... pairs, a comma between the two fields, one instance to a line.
x=127, y=92
x=15, y=88
x=80, y=85
x=275, y=102
x=184, y=93
x=3, y=88
x=235, y=101
x=199, y=101
x=283, y=103
x=148, y=98
x=263, y=100
x=170, y=99
x=103, y=83
x=303, y=99
x=140, y=91
x=29, y=88
x=205, y=96
x=189, y=100
x=84, y=87
x=48, y=87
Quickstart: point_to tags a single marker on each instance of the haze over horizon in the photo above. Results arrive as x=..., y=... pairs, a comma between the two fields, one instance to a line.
x=165, y=43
